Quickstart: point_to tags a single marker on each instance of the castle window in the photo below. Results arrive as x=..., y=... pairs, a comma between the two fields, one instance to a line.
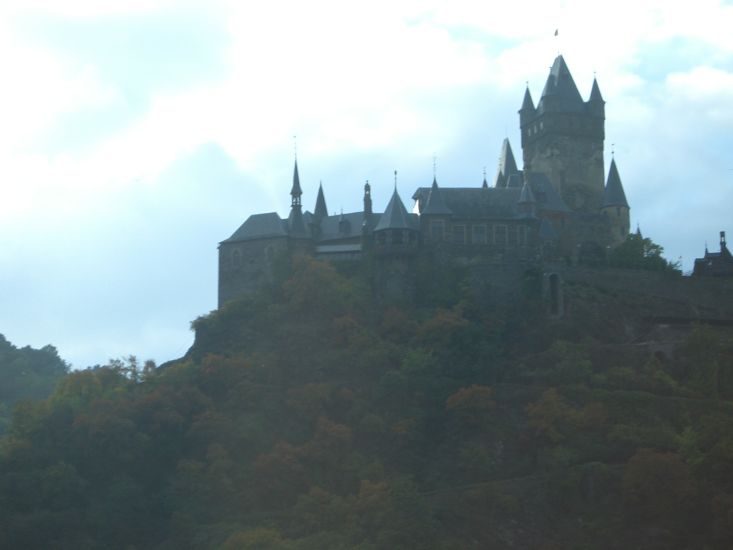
x=500, y=235
x=459, y=234
x=396, y=237
x=512, y=235
x=479, y=234
x=437, y=230
x=382, y=238
x=542, y=125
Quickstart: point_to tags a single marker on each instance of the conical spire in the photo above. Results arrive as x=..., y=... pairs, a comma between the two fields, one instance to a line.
x=296, y=191
x=296, y=225
x=507, y=165
x=560, y=92
x=527, y=103
x=395, y=215
x=613, y=194
x=485, y=184
x=320, y=211
x=435, y=203
x=595, y=92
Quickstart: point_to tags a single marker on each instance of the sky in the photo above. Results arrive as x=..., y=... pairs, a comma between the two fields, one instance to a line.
x=136, y=135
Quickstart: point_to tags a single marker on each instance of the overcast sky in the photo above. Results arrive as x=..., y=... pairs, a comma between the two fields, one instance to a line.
x=136, y=135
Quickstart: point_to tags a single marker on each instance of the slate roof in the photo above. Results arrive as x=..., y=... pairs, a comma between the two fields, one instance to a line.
x=507, y=165
x=296, y=191
x=527, y=103
x=259, y=226
x=595, y=92
x=296, y=224
x=613, y=194
x=544, y=193
x=526, y=197
x=560, y=93
x=395, y=216
x=435, y=203
x=320, y=210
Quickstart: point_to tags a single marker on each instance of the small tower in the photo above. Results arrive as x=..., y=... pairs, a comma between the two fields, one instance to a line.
x=615, y=207
x=296, y=225
x=397, y=231
x=563, y=138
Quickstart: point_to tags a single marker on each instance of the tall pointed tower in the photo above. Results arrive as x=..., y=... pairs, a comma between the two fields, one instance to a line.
x=615, y=206
x=563, y=138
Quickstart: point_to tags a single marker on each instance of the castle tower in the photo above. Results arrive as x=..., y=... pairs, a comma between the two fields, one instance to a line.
x=397, y=231
x=615, y=207
x=563, y=138
x=296, y=224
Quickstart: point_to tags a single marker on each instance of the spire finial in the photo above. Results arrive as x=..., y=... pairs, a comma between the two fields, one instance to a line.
x=295, y=147
x=435, y=167
x=395, y=181
x=613, y=149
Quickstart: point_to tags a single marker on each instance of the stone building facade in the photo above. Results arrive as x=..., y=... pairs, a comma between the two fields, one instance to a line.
x=556, y=208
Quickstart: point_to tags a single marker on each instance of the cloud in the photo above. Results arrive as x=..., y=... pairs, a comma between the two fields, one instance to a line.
x=138, y=134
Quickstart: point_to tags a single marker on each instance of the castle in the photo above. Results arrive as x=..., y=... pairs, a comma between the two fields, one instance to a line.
x=559, y=207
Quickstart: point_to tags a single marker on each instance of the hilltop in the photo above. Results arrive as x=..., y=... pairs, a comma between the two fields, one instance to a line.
x=310, y=416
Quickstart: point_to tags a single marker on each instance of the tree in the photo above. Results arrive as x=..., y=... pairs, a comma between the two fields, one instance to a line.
x=638, y=252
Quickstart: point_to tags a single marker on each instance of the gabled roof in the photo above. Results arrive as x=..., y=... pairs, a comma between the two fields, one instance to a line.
x=526, y=196
x=320, y=210
x=613, y=194
x=560, y=92
x=395, y=215
x=435, y=203
x=259, y=226
x=544, y=193
x=515, y=180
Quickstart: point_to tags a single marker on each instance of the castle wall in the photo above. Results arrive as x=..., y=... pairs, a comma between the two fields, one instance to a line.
x=244, y=266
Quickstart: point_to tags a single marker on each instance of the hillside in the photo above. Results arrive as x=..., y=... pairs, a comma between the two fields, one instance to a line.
x=311, y=417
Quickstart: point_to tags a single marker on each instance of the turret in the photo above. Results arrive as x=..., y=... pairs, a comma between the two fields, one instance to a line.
x=563, y=138
x=527, y=110
x=615, y=207
x=296, y=225
x=596, y=105
x=397, y=231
